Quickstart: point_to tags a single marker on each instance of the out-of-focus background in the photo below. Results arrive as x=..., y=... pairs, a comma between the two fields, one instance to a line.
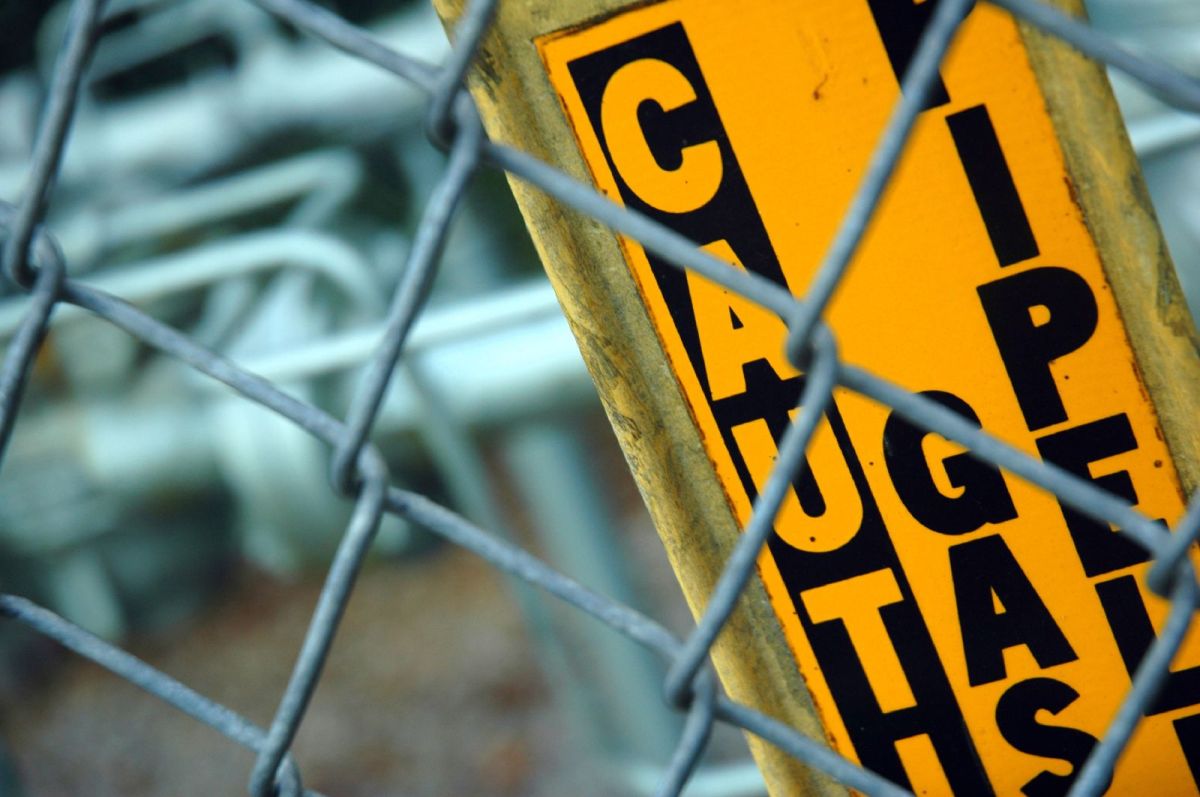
x=259, y=190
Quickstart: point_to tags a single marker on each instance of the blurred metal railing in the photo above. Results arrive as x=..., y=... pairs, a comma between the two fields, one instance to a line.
x=34, y=261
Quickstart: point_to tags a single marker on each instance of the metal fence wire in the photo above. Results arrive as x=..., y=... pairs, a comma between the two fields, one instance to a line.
x=33, y=261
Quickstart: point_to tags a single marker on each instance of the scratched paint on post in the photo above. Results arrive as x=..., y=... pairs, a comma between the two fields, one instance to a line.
x=959, y=629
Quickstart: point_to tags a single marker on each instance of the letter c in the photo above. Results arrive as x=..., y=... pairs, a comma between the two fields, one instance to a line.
x=698, y=177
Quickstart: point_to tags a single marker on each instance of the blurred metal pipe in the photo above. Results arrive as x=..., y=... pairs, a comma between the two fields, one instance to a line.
x=442, y=324
x=510, y=356
x=227, y=259
x=460, y=461
x=549, y=463
x=1158, y=133
x=278, y=85
x=317, y=182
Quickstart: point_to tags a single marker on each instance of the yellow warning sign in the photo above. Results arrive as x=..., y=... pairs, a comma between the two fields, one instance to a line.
x=960, y=630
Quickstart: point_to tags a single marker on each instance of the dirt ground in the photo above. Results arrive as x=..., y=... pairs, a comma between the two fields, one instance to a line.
x=433, y=686
x=431, y=689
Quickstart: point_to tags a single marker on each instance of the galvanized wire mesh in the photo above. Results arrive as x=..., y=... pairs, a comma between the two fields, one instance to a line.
x=33, y=261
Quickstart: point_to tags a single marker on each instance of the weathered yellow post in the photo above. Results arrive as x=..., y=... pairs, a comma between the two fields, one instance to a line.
x=946, y=625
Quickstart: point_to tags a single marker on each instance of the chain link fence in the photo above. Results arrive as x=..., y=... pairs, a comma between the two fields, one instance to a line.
x=33, y=261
